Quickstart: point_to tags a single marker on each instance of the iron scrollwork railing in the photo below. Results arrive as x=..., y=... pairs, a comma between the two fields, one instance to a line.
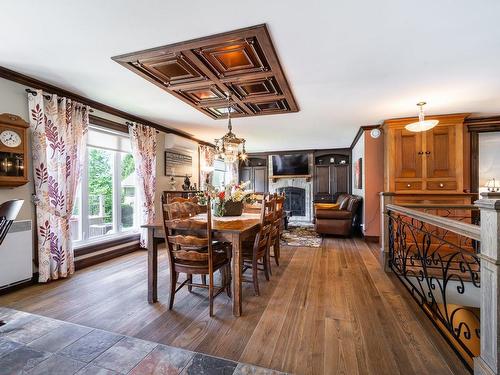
x=440, y=269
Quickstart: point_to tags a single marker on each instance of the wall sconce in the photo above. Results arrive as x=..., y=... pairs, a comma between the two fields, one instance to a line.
x=493, y=185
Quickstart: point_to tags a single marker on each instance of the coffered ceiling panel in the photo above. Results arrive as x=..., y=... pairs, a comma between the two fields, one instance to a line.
x=202, y=72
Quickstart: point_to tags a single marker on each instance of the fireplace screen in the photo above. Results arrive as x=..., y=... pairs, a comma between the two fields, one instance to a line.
x=295, y=201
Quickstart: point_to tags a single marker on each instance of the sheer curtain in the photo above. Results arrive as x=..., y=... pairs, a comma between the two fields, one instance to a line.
x=59, y=129
x=143, y=140
x=207, y=159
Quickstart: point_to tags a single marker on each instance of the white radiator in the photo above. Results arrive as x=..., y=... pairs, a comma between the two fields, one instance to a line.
x=16, y=253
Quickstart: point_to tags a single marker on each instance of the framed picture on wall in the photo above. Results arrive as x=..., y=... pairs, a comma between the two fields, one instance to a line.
x=178, y=165
x=358, y=174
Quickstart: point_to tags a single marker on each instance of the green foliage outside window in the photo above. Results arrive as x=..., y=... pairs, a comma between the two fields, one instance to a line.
x=100, y=179
x=100, y=182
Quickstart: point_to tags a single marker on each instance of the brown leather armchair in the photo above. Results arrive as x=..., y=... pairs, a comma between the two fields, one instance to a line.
x=339, y=219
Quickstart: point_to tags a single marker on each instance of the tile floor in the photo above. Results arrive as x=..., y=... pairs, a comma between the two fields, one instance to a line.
x=32, y=344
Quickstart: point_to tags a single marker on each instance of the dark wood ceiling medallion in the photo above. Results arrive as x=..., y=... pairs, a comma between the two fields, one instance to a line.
x=201, y=72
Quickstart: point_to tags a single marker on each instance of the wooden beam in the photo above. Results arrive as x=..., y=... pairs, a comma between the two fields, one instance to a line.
x=23, y=79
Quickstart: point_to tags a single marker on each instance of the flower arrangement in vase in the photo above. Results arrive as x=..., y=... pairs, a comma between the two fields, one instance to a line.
x=230, y=200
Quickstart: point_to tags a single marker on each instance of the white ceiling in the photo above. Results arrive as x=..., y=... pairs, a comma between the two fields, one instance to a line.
x=349, y=63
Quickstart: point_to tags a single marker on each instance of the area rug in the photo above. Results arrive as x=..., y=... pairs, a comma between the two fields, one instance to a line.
x=300, y=236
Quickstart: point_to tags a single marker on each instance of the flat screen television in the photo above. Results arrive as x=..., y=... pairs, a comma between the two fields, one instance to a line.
x=290, y=165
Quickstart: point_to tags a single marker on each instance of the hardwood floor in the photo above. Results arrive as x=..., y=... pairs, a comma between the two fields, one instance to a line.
x=330, y=310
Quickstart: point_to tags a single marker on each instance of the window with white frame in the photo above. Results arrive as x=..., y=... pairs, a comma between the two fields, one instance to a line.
x=107, y=201
x=220, y=174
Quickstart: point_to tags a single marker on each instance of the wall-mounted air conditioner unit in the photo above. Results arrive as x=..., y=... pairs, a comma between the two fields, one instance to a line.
x=16, y=254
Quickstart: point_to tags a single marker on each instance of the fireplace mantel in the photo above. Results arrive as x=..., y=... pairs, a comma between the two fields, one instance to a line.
x=307, y=177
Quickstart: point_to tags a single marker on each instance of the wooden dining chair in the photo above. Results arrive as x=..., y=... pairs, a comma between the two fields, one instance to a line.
x=254, y=208
x=192, y=202
x=277, y=227
x=256, y=253
x=192, y=251
x=8, y=213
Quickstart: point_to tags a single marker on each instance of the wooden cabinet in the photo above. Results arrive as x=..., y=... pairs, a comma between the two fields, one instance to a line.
x=340, y=179
x=440, y=153
x=322, y=178
x=408, y=153
x=259, y=179
x=428, y=161
x=255, y=171
x=331, y=175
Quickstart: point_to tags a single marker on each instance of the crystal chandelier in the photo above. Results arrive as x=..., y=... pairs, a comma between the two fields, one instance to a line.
x=422, y=124
x=227, y=148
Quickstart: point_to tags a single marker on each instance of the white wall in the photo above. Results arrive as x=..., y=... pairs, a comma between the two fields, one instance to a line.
x=489, y=164
x=162, y=181
x=358, y=151
x=14, y=100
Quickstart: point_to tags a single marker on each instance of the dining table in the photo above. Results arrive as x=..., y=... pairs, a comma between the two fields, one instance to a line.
x=233, y=229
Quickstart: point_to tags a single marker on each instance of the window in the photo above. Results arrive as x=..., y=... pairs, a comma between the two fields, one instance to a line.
x=107, y=203
x=220, y=174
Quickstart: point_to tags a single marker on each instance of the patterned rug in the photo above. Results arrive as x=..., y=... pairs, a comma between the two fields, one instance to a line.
x=301, y=237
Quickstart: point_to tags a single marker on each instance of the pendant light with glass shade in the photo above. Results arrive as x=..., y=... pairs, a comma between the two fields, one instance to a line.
x=422, y=124
x=228, y=148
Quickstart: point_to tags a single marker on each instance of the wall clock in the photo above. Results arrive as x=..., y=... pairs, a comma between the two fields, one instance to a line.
x=13, y=150
x=10, y=138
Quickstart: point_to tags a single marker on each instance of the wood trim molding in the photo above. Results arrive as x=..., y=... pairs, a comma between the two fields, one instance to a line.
x=23, y=79
x=20, y=285
x=105, y=123
x=342, y=151
x=483, y=124
x=476, y=126
x=102, y=257
x=93, y=248
x=361, y=130
x=374, y=239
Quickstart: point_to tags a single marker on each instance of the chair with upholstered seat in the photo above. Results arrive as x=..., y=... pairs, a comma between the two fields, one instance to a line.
x=192, y=251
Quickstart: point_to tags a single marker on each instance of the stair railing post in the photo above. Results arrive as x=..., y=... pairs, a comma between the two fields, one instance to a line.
x=488, y=363
x=385, y=199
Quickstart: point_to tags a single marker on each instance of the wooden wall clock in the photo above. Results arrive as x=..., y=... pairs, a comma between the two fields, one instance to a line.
x=13, y=150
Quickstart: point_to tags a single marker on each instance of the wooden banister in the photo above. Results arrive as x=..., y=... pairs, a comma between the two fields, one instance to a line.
x=458, y=227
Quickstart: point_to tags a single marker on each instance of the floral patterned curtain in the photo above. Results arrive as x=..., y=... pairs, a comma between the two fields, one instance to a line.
x=59, y=129
x=207, y=159
x=143, y=139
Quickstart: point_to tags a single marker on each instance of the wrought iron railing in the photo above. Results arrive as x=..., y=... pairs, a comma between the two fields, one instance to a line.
x=437, y=261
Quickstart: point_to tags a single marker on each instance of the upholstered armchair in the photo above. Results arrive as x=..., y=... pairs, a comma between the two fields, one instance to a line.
x=340, y=218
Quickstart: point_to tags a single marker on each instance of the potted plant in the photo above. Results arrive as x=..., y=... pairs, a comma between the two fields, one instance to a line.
x=230, y=200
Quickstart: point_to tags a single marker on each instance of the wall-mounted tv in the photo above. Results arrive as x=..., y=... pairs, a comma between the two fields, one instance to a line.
x=290, y=165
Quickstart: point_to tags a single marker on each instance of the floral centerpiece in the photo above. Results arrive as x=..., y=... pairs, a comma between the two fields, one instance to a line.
x=230, y=200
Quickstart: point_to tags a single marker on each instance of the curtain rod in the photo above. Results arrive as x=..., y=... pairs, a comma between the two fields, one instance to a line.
x=47, y=96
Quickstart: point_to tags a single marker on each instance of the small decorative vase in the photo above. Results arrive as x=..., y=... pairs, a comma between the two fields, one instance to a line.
x=229, y=208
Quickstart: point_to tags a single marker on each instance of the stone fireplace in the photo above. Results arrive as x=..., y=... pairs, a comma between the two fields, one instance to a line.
x=298, y=192
x=295, y=200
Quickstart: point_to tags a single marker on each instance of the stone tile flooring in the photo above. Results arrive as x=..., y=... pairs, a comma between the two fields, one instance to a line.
x=32, y=344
